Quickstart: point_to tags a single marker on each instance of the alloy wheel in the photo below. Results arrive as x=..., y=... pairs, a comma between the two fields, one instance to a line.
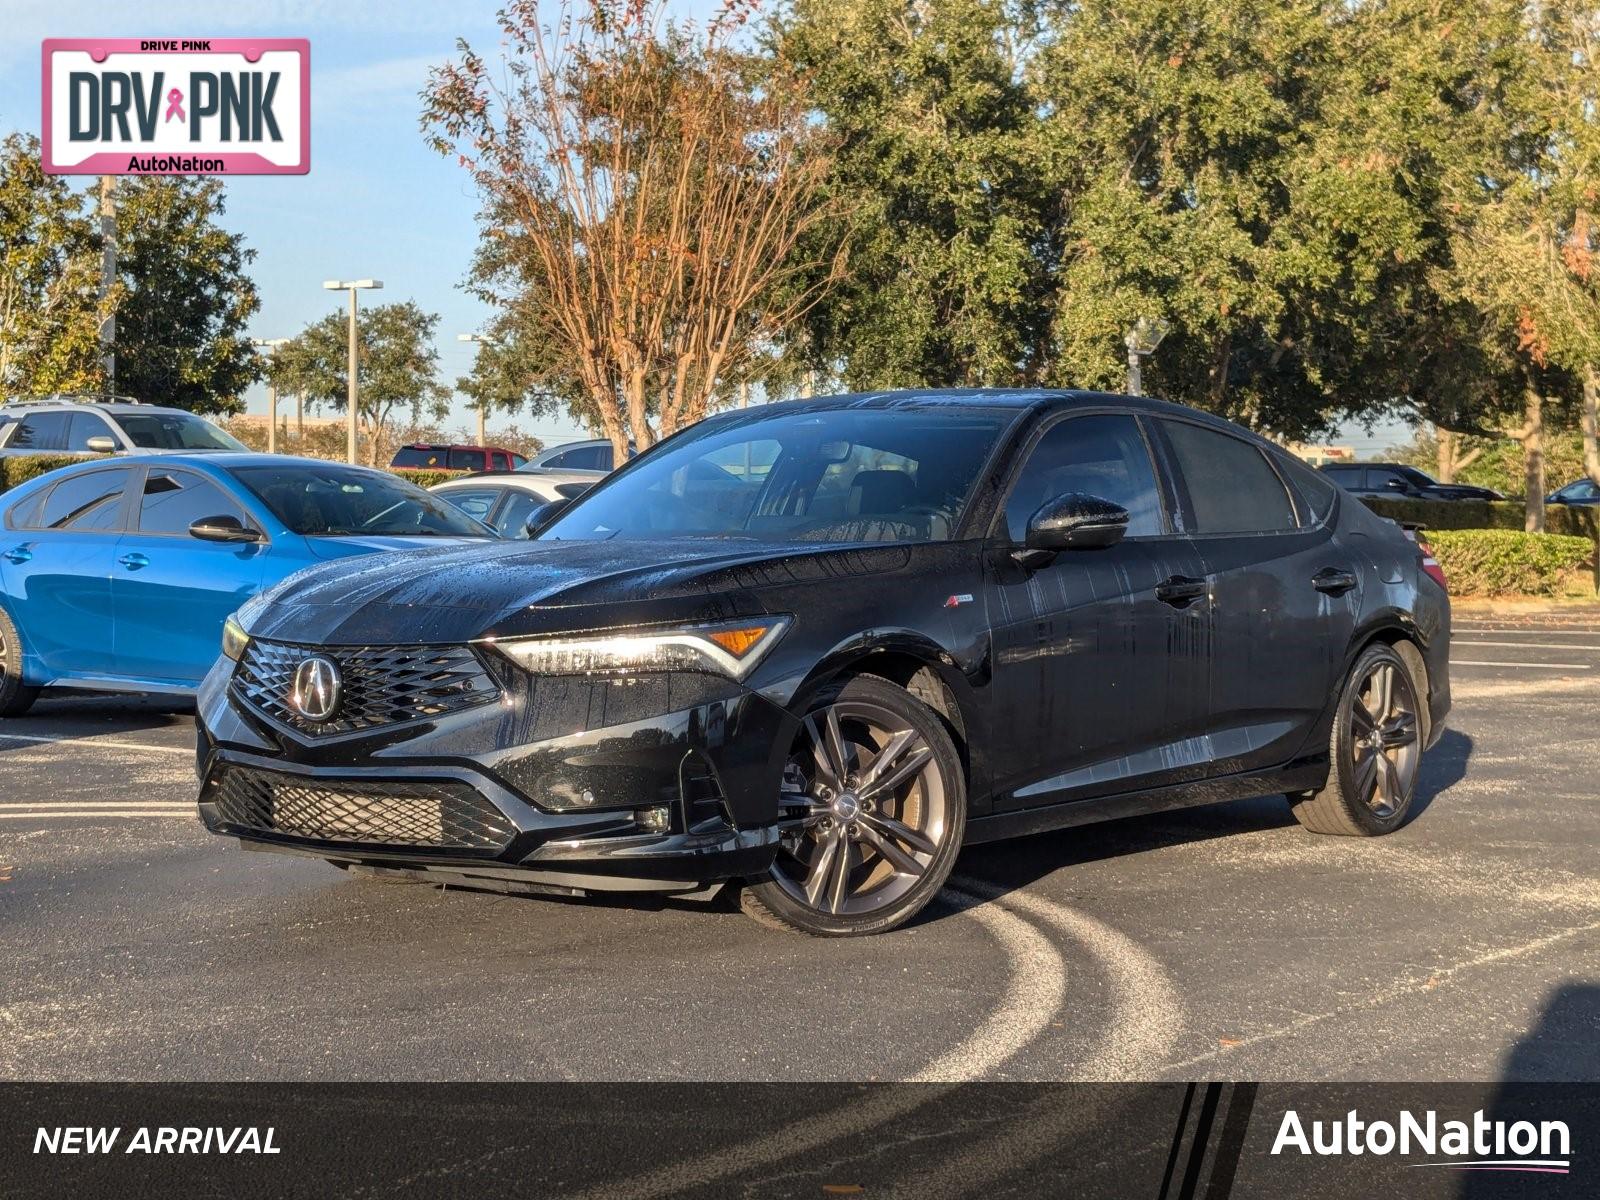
x=866, y=810
x=1384, y=744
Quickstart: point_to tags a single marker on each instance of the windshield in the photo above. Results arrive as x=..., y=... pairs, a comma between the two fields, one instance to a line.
x=838, y=475
x=334, y=500
x=174, y=431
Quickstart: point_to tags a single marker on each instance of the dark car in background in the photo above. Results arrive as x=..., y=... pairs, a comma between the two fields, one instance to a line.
x=430, y=456
x=1402, y=481
x=1579, y=491
x=814, y=648
x=117, y=574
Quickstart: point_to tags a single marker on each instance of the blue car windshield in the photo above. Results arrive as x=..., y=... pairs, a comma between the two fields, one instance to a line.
x=330, y=500
x=847, y=474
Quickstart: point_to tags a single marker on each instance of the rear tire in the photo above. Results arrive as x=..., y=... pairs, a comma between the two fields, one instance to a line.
x=16, y=697
x=1374, y=750
x=876, y=800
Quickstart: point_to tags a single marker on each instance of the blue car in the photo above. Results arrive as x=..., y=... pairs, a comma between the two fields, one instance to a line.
x=118, y=574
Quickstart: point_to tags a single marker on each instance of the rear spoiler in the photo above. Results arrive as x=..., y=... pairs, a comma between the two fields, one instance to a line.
x=1411, y=528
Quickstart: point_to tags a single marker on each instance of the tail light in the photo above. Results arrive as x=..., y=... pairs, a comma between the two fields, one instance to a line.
x=1430, y=564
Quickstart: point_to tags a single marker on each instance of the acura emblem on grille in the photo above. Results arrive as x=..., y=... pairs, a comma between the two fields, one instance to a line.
x=315, y=691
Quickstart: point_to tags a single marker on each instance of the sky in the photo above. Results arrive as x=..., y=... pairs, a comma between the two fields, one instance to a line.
x=378, y=203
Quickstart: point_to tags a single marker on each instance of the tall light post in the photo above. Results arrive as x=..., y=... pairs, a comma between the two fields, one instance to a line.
x=350, y=392
x=1142, y=341
x=271, y=344
x=480, y=339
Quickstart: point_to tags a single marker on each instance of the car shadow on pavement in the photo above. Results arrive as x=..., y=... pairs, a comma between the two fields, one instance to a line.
x=66, y=715
x=1564, y=1043
x=1017, y=863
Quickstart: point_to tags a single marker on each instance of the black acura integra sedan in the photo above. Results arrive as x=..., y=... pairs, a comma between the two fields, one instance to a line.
x=814, y=648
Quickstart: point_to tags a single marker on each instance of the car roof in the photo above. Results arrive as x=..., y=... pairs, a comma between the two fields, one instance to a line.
x=523, y=480
x=19, y=407
x=1012, y=399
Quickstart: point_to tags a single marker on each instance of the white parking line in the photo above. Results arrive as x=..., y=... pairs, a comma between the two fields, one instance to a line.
x=95, y=740
x=38, y=805
x=104, y=812
x=1522, y=666
x=1528, y=645
x=1541, y=631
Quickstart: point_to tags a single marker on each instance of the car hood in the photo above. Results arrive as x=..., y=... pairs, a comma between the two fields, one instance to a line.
x=502, y=588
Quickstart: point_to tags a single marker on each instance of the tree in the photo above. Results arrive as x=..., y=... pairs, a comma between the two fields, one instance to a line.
x=658, y=190
x=396, y=363
x=50, y=311
x=938, y=150
x=1266, y=176
x=182, y=316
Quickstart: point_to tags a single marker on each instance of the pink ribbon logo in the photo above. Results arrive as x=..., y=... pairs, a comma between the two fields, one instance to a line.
x=175, y=105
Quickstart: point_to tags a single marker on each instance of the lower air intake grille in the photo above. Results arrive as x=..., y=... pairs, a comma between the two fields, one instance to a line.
x=438, y=814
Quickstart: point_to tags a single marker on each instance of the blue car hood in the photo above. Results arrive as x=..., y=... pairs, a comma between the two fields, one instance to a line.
x=344, y=546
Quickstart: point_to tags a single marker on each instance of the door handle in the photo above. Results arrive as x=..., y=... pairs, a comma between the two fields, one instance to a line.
x=1180, y=591
x=18, y=554
x=1333, y=581
x=134, y=561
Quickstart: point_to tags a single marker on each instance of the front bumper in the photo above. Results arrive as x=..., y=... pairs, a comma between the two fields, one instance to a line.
x=541, y=789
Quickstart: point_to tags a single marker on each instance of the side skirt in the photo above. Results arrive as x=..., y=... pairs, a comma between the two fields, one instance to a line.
x=1296, y=777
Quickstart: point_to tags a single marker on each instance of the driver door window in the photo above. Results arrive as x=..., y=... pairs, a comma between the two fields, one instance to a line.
x=1102, y=456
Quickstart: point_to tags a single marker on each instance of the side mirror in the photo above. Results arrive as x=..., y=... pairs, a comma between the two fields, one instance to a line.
x=543, y=516
x=1073, y=522
x=223, y=529
x=101, y=444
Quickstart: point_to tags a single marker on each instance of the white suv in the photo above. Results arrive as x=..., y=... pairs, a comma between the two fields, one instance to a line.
x=62, y=425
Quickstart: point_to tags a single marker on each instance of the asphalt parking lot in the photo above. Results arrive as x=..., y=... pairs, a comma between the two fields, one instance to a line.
x=1220, y=943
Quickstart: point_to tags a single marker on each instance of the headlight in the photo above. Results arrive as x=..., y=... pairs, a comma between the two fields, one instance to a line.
x=234, y=639
x=732, y=648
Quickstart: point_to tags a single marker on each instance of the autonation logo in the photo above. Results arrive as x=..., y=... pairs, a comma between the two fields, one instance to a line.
x=1478, y=1144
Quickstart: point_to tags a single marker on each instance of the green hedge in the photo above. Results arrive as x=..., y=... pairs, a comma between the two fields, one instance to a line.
x=424, y=477
x=1575, y=520
x=20, y=468
x=1509, y=562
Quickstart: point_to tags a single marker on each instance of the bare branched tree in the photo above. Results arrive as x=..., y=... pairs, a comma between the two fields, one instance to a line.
x=658, y=187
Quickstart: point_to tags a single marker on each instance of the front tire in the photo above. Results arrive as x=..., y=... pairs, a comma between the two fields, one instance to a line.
x=1375, y=750
x=875, y=802
x=16, y=697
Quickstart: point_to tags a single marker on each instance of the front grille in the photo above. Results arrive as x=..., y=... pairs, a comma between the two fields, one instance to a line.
x=381, y=685
x=438, y=814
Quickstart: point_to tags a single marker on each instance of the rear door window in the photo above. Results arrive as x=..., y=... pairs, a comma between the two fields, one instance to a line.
x=87, y=502
x=468, y=460
x=41, y=431
x=1232, y=487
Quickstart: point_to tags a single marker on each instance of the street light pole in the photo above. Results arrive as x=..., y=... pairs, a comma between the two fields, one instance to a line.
x=351, y=391
x=483, y=406
x=1141, y=342
x=272, y=392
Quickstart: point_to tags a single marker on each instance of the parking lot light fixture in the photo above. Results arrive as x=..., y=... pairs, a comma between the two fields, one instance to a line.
x=1142, y=341
x=483, y=405
x=352, y=286
x=271, y=344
